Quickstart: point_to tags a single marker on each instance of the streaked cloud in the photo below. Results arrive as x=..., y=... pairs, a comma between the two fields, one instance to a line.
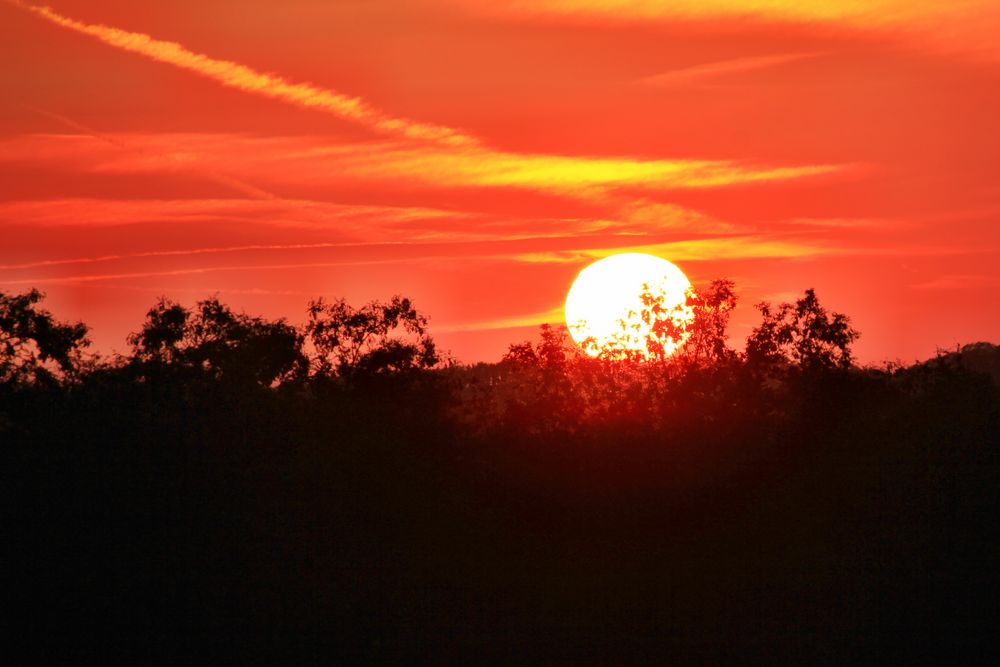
x=249, y=80
x=862, y=12
x=643, y=216
x=696, y=73
x=248, y=268
x=225, y=179
x=183, y=253
x=967, y=26
x=567, y=175
x=553, y=315
x=451, y=158
x=849, y=223
x=347, y=219
x=339, y=225
x=960, y=281
x=306, y=161
x=731, y=247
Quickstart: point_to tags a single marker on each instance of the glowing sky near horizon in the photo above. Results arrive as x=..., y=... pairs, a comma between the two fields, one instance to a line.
x=475, y=156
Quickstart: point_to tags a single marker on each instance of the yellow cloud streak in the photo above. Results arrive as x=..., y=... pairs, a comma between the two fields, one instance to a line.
x=869, y=11
x=964, y=26
x=249, y=80
x=733, y=247
x=437, y=166
x=553, y=315
x=453, y=158
x=724, y=67
x=279, y=162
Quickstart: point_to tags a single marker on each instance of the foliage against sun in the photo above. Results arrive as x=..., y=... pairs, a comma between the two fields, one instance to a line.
x=630, y=306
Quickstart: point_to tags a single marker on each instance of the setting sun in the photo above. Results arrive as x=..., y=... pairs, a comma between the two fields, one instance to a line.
x=605, y=309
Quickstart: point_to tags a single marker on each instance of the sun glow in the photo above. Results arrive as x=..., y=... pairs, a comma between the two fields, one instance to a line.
x=615, y=304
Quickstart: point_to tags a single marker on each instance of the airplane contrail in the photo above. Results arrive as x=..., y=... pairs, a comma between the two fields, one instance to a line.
x=235, y=75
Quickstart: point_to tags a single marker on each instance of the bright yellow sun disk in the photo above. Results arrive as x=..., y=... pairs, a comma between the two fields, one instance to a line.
x=604, y=306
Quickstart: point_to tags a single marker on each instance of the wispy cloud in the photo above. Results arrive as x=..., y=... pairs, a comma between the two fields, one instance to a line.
x=696, y=73
x=960, y=281
x=863, y=12
x=442, y=156
x=191, y=252
x=309, y=162
x=729, y=247
x=848, y=223
x=967, y=26
x=248, y=268
x=288, y=213
x=220, y=177
x=244, y=78
x=643, y=216
x=512, y=322
x=326, y=225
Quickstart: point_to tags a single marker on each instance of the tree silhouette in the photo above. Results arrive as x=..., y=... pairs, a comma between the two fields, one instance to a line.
x=215, y=340
x=542, y=390
x=551, y=354
x=376, y=339
x=668, y=325
x=694, y=330
x=707, y=331
x=186, y=494
x=161, y=339
x=34, y=347
x=802, y=333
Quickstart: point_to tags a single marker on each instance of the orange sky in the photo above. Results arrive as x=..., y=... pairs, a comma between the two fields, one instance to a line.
x=476, y=155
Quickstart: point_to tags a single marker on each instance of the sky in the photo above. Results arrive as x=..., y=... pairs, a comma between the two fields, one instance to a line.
x=475, y=156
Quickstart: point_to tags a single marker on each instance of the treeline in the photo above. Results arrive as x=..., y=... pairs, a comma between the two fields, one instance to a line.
x=237, y=487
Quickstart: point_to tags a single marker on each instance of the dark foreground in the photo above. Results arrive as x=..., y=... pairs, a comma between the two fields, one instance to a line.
x=842, y=517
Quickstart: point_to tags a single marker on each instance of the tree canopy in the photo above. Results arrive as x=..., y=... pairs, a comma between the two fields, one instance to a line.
x=34, y=346
x=802, y=333
x=378, y=338
x=215, y=340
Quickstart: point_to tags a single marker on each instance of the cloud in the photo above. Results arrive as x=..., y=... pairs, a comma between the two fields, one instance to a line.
x=711, y=70
x=220, y=177
x=961, y=281
x=347, y=219
x=252, y=268
x=863, y=12
x=966, y=26
x=647, y=217
x=331, y=224
x=849, y=223
x=729, y=247
x=297, y=162
x=512, y=322
x=566, y=175
x=234, y=75
x=441, y=156
x=189, y=252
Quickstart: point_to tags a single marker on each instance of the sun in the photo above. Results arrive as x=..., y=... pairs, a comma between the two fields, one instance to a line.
x=605, y=310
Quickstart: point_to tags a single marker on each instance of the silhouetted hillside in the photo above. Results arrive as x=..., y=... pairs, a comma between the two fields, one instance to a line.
x=977, y=357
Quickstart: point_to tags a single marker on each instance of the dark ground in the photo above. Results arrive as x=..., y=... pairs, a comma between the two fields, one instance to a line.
x=841, y=518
